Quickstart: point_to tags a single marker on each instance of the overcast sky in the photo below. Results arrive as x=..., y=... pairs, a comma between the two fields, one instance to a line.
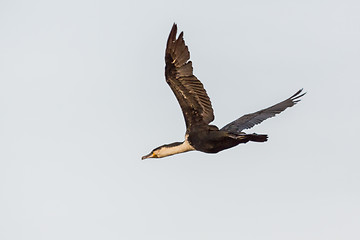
x=83, y=97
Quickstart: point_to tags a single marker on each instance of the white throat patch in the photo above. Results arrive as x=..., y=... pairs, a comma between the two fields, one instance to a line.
x=167, y=151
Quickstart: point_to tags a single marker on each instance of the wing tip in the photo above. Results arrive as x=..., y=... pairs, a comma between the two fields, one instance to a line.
x=172, y=36
x=174, y=27
x=296, y=97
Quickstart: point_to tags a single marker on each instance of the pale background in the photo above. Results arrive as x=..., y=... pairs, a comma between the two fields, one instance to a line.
x=83, y=97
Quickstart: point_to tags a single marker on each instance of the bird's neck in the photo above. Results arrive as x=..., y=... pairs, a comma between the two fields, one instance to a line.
x=175, y=148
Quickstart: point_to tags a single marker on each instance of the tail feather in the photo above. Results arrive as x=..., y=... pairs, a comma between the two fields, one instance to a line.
x=244, y=138
x=258, y=137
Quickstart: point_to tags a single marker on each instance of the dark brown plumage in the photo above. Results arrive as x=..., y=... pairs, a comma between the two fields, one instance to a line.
x=197, y=109
x=189, y=91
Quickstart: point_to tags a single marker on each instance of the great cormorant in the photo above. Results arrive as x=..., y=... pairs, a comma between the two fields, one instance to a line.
x=198, y=112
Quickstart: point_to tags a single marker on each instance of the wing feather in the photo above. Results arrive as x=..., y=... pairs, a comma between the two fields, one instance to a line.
x=189, y=91
x=249, y=120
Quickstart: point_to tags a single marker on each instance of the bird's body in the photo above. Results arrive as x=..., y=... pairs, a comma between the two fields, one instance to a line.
x=198, y=112
x=209, y=139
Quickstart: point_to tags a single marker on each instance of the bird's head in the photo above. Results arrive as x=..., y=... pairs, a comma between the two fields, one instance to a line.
x=168, y=149
x=153, y=154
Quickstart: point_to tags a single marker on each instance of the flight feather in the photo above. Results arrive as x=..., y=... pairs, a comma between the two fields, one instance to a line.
x=189, y=91
x=249, y=120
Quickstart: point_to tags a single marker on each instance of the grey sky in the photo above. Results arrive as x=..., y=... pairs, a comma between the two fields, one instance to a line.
x=83, y=97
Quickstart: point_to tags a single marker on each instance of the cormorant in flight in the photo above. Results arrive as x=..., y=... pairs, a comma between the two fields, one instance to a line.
x=197, y=110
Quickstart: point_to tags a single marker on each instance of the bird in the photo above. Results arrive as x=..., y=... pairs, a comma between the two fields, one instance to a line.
x=197, y=110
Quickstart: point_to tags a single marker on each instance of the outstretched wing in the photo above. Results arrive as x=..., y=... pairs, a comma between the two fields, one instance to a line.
x=189, y=91
x=250, y=120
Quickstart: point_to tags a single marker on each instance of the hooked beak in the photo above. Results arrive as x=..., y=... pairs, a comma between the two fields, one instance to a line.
x=150, y=155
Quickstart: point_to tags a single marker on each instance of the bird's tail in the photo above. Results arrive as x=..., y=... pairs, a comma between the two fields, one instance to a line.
x=257, y=137
x=244, y=138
